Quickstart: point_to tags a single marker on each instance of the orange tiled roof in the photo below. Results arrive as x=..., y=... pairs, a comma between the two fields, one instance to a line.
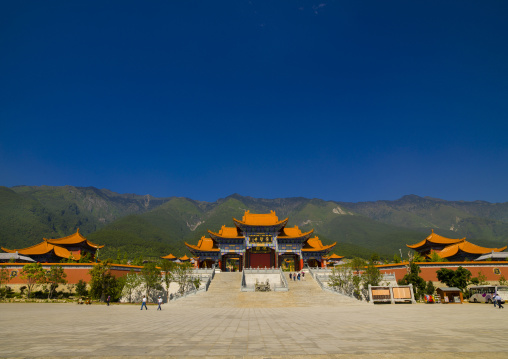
x=43, y=248
x=169, y=256
x=72, y=239
x=263, y=219
x=184, y=258
x=295, y=232
x=227, y=232
x=204, y=244
x=315, y=245
x=436, y=238
x=467, y=247
x=334, y=256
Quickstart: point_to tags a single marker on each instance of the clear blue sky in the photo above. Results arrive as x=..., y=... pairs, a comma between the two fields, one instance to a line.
x=339, y=100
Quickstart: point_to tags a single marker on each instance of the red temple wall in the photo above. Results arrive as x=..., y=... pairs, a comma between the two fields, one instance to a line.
x=75, y=271
x=428, y=270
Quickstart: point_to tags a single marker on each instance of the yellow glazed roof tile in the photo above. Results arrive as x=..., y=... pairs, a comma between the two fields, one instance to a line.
x=435, y=238
x=263, y=219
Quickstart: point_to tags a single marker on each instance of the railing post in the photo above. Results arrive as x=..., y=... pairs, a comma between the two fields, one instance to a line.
x=392, y=298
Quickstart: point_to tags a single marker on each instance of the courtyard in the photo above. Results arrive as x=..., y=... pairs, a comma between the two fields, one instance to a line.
x=181, y=331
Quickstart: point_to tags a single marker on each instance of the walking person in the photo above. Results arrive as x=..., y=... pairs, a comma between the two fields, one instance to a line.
x=108, y=300
x=494, y=299
x=294, y=277
x=290, y=276
x=143, y=304
x=160, y=303
x=303, y=275
x=298, y=276
x=498, y=299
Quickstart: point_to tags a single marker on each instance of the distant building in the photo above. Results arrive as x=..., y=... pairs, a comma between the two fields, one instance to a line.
x=54, y=250
x=257, y=241
x=14, y=257
x=334, y=259
x=170, y=257
x=453, y=250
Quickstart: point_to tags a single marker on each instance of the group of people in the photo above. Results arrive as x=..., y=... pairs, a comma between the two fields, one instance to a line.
x=497, y=300
x=295, y=276
x=143, y=303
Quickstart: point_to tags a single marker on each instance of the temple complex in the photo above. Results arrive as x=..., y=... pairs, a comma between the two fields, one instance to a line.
x=454, y=250
x=258, y=241
x=54, y=250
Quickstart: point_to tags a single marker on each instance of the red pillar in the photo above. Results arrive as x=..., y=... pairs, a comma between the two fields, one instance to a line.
x=301, y=263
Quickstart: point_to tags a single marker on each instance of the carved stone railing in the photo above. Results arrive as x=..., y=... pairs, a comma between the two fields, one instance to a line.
x=321, y=276
x=202, y=273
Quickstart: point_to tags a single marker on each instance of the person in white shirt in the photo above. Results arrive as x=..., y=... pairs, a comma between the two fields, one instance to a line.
x=498, y=299
x=160, y=303
x=143, y=304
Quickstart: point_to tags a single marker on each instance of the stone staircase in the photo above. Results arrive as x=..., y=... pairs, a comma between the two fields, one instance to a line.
x=224, y=292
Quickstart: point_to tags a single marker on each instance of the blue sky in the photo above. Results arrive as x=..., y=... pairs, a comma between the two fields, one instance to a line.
x=347, y=101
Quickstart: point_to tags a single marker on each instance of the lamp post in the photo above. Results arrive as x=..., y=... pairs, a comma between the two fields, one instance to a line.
x=400, y=250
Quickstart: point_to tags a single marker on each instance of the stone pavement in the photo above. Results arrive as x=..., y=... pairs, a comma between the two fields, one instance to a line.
x=191, y=328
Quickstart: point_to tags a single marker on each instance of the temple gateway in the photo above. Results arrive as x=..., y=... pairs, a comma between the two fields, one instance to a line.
x=259, y=241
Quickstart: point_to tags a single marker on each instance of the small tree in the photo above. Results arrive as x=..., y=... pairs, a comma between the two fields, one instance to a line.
x=371, y=276
x=183, y=276
x=480, y=280
x=430, y=289
x=345, y=280
x=459, y=278
x=396, y=258
x=358, y=264
x=33, y=274
x=102, y=282
x=86, y=258
x=55, y=276
x=151, y=277
x=435, y=257
x=167, y=268
x=4, y=278
x=132, y=281
x=417, y=257
x=81, y=288
x=502, y=280
x=413, y=277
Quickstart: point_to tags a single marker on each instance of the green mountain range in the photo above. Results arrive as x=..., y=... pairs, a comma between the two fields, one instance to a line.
x=134, y=225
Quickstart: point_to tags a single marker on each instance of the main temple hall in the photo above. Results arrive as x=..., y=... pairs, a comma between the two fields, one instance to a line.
x=259, y=241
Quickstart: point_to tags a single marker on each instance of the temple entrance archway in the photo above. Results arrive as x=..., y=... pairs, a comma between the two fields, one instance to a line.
x=207, y=263
x=289, y=262
x=232, y=262
x=313, y=262
x=260, y=257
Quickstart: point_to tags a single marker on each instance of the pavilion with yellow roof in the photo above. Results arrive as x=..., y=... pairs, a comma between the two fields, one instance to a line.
x=454, y=250
x=258, y=241
x=54, y=250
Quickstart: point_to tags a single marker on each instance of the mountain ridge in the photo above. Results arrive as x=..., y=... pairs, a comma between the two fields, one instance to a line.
x=151, y=226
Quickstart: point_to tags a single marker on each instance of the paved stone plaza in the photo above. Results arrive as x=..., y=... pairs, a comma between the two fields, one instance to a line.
x=258, y=327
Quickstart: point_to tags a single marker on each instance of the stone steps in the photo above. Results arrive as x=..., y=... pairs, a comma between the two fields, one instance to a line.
x=224, y=292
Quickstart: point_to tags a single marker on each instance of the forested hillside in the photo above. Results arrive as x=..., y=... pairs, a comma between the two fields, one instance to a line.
x=135, y=225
